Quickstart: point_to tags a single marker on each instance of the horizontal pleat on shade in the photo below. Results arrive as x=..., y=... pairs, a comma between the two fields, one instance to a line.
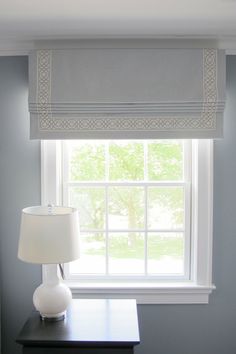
x=105, y=93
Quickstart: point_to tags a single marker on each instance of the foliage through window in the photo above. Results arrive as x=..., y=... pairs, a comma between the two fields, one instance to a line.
x=133, y=199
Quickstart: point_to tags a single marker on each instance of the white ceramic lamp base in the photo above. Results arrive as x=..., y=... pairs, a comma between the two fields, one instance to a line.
x=52, y=297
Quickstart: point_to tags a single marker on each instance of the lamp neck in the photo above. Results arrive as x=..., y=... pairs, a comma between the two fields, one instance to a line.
x=50, y=274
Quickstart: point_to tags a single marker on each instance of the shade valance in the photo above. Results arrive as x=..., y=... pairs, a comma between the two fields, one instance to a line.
x=126, y=93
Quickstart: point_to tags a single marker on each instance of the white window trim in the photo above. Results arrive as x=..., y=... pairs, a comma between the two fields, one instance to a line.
x=195, y=291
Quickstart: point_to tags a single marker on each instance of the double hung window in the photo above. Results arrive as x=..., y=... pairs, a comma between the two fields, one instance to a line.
x=145, y=227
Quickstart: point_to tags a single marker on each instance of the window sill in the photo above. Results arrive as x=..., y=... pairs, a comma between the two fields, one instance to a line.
x=163, y=293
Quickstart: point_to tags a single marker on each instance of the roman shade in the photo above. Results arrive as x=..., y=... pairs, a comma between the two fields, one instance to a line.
x=102, y=93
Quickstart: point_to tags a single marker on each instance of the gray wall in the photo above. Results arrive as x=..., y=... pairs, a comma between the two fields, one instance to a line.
x=19, y=187
x=164, y=329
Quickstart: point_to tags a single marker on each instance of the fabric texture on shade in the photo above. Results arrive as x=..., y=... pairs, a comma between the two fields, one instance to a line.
x=103, y=93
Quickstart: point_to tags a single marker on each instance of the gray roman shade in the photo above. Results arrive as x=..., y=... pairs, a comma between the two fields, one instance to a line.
x=93, y=93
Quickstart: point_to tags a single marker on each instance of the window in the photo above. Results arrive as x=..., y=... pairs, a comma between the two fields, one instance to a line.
x=145, y=216
x=133, y=201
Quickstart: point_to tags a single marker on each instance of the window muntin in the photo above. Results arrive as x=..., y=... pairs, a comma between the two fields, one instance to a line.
x=134, y=204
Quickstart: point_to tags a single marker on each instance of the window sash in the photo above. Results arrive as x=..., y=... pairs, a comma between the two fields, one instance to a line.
x=185, y=183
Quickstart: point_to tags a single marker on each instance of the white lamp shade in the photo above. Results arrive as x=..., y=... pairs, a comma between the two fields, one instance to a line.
x=49, y=235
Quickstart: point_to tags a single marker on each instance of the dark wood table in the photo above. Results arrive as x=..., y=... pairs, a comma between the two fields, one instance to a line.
x=91, y=327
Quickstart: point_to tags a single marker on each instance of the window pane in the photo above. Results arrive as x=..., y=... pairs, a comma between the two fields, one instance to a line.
x=166, y=208
x=92, y=255
x=91, y=205
x=165, y=160
x=87, y=161
x=126, y=253
x=126, y=161
x=165, y=253
x=126, y=207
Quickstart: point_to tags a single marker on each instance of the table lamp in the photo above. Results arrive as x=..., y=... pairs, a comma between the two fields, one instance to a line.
x=50, y=235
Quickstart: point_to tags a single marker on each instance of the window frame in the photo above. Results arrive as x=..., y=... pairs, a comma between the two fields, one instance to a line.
x=145, y=183
x=195, y=290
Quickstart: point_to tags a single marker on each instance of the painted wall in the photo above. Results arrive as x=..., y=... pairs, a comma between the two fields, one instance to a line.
x=164, y=329
x=19, y=187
